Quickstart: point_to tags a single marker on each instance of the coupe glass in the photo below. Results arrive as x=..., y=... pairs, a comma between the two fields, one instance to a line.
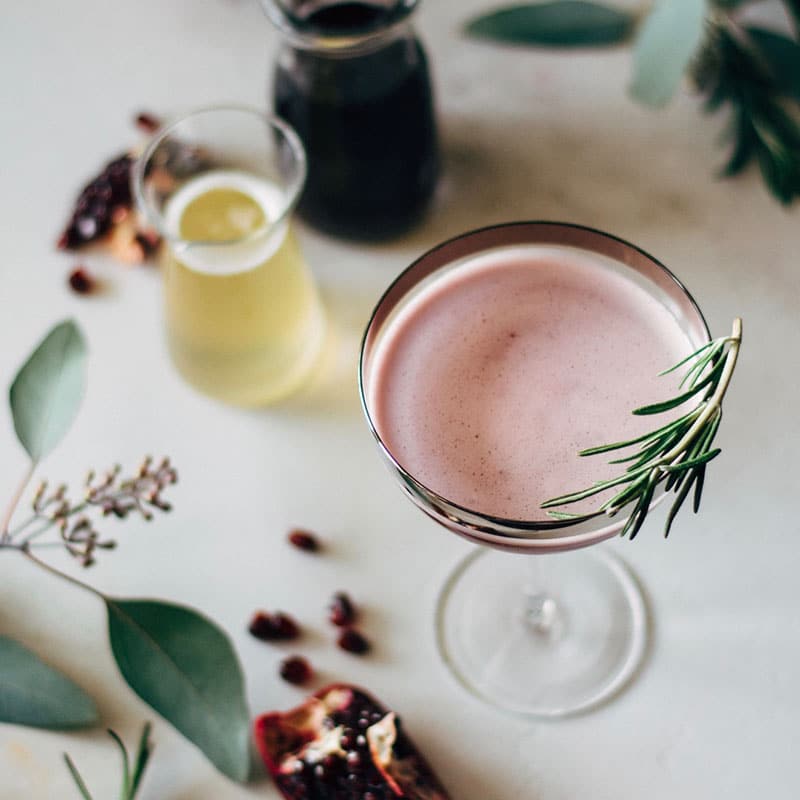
x=543, y=636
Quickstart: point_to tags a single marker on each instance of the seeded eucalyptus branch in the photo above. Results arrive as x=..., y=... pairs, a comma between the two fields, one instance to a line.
x=752, y=72
x=676, y=454
x=132, y=772
x=108, y=494
x=177, y=660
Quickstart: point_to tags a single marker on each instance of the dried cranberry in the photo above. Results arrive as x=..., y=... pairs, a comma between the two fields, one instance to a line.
x=81, y=281
x=273, y=627
x=342, y=611
x=303, y=540
x=296, y=670
x=353, y=641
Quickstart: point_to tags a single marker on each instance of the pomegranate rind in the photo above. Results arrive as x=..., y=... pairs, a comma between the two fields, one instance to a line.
x=281, y=734
x=285, y=739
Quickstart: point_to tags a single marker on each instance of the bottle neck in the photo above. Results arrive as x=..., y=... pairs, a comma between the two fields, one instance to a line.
x=341, y=29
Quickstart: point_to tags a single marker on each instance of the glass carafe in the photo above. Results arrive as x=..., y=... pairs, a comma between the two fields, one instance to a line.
x=352, y=78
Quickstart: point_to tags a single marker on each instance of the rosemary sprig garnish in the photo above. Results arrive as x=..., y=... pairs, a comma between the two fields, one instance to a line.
x=676, y=454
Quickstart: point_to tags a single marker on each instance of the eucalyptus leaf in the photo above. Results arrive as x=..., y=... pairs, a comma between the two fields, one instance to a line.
x=562, y=23
x=34, y=694
x=184, y=666
x=665, y=46
x=48, y=388
x=782, y=54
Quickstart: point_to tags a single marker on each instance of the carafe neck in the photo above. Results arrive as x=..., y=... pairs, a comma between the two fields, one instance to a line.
x=341, y=28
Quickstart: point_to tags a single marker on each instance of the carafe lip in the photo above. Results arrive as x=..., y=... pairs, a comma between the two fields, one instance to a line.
x=339, y=43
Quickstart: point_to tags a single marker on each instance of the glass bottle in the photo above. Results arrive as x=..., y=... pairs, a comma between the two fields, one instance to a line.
x=352, y=79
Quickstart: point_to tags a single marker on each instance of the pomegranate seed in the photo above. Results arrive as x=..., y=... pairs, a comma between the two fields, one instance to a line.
x=352, y=641
x=149, y=123
x=81, y=281
x=296, y=670
x=303, y=540
x=342, y=611
x=273, y=627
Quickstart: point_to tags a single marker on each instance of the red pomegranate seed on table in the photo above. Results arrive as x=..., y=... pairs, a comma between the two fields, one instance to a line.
x=342, y=611
x=273, y=627
x=296, y=670
x=81, y=281
x=353, y=642
x=149, y=123
x=303, y=540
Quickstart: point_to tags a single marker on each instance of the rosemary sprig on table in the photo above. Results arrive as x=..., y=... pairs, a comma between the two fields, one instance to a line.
x=676, y=454
x=756, y=73
x=132, y=772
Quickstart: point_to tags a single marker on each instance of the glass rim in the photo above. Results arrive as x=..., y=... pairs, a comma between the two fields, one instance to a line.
x=336, y=44
x=155, y=217
x=489, y=528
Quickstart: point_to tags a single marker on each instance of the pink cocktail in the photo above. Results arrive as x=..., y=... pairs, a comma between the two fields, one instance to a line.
x=486, y=367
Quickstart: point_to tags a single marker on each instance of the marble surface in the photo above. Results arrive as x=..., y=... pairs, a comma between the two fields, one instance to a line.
x=526, y=135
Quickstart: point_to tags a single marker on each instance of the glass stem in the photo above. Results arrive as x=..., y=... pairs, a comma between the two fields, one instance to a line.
x=541, y=611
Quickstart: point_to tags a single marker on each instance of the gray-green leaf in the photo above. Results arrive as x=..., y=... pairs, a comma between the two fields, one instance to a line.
x=184, y=666
x=563, y=23
x=47, y=390
x=33, y=693
x=668, y=40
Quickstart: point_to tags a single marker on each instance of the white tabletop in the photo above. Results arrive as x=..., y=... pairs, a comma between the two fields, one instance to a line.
x=526, y=135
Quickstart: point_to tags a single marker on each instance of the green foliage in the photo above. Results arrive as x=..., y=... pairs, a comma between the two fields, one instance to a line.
x=33, y=693
x=563, y=23
x=753, y=71
x=47, y=391
x=175, y=659
x=665, y=45
x=761, y=127
x=182, y=665
x=782, y=56
x=132, y=772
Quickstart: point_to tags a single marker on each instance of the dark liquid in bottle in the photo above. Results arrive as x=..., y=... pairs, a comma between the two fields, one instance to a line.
x=368, y=126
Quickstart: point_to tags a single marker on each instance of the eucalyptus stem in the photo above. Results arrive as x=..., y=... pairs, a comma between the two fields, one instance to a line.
x=26, y=551
x=14, y=502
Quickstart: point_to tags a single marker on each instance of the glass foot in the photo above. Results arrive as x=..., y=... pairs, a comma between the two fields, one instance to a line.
x=542, y=635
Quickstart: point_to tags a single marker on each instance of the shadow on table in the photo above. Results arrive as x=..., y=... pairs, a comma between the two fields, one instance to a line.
x=492, y=174
x=562, y=172
x=333, y=390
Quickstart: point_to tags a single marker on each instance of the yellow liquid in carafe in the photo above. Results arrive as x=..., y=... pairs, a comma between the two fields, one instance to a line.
x=244, y=320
